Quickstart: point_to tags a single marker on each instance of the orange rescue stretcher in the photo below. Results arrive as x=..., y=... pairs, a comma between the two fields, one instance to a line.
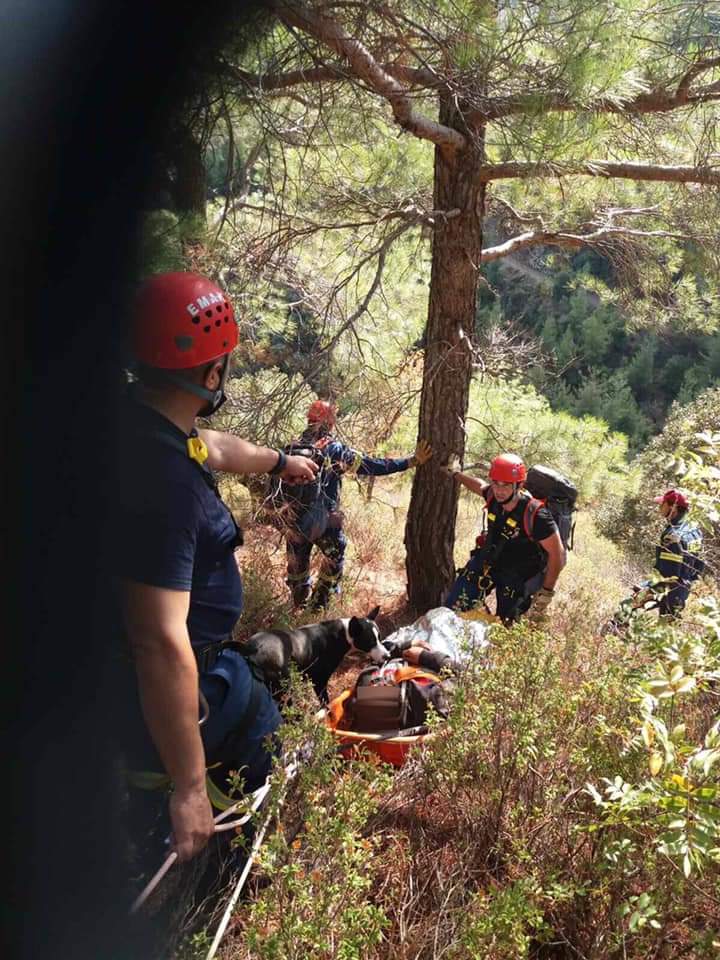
x=391, y=748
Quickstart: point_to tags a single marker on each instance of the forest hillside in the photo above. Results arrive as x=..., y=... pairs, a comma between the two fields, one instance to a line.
x=491, y=227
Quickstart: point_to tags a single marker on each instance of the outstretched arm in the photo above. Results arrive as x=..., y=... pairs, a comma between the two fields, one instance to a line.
x=382, y=466
x=472, y=483
x=232, y=454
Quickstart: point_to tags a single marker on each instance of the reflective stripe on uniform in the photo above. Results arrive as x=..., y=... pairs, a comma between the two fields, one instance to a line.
x=329, y=579
x=675, y=557
x=297, y=577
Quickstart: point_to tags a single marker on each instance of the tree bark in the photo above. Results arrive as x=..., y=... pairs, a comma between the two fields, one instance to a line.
x=456, y=252
x=190, y=180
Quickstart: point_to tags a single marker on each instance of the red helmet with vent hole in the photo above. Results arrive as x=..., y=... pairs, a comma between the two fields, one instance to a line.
x=182, y=320
x=507, y=468
x=675, y=498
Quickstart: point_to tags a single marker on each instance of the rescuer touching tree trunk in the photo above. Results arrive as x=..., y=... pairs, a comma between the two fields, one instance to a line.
x=521, y=556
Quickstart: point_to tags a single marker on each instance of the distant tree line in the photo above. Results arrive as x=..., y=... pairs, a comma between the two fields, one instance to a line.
x=599, y=365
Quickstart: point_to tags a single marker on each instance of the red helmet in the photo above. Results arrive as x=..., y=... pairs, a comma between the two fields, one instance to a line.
x=322, y=411
x=674, y=498
x=182, y=320
x=507, y=468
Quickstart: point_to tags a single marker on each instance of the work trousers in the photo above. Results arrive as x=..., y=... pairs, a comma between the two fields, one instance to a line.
x=332, y=545
x=673, y=603
x=513, y=595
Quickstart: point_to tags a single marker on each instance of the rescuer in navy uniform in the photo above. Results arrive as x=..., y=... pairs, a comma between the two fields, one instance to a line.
x=174, y=554
x=677, y=556
x=321, y=524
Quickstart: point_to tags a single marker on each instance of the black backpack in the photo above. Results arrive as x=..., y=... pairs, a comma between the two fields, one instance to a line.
x=559, y=495
x=303, y=505
x=394, y=700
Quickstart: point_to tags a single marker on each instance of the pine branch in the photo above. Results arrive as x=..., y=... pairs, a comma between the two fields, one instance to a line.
x=627, y=170
x=561, y=238
x=366, y=68
x=325, y=73
x=651, y=101
x=695, y=69
x=518, y=217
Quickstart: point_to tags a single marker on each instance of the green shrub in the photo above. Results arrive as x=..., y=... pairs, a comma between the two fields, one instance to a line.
x=686, y=455
x=568, y=807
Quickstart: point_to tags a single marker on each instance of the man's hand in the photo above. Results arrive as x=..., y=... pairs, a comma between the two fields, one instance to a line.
x=540, y=603
x=192, y=821
x=412, y=654
x=423, y=452
x=299, y=469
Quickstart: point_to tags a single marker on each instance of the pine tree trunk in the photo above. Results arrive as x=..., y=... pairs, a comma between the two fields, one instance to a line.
x=457, y=246
x=190, y=182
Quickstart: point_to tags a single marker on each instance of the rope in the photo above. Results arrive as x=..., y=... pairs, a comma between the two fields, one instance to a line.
x=290, y=772
x=258, y=797
x=220, y=933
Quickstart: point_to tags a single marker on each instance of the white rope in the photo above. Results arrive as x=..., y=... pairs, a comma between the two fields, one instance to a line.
x=290, y=772
x=258, y=797
x=222, y=927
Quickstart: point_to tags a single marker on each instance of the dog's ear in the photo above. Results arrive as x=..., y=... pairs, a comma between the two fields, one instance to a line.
x=373, y=613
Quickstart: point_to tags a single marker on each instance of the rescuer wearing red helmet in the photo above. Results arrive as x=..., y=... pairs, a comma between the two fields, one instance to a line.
x=175, y=544
x=322, y=412
x=522, y=554
x=319, y=522
x=677, y=555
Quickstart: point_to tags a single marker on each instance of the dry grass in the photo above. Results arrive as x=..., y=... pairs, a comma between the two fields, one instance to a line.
x=597, y=576
x=482, y=848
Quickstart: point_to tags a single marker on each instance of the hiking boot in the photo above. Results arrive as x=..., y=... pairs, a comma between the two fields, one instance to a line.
x=322, y=595
x=320, y=600
x=300, y=595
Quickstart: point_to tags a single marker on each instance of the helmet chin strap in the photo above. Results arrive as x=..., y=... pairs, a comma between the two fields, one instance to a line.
x=214, y=399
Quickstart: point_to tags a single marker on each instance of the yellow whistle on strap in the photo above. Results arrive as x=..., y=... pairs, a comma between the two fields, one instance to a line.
x=197, y=450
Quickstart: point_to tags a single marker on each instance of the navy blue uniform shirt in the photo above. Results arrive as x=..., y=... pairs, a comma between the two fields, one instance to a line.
x=678, y=553
x=341, y=459
x=174, y=531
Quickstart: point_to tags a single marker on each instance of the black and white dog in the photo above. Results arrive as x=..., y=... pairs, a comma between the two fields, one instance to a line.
x=316, y=649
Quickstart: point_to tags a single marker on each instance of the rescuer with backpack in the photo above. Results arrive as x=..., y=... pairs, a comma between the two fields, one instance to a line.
x=522, y=554
x=313, y=516
x=174, y=557
x=677, y=555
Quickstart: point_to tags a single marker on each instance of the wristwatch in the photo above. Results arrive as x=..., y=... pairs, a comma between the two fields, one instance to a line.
x=280, y=465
